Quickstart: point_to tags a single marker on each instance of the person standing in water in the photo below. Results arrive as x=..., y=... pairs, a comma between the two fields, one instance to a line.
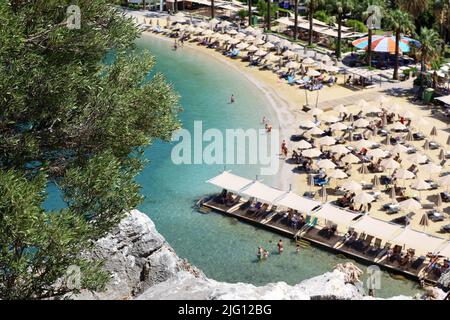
x=175, y=45
x=260, y=253
x=280, y=246
x=297, y=248
x=232, y=99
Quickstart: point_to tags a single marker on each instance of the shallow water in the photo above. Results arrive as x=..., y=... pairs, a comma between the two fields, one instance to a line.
x=222, y=247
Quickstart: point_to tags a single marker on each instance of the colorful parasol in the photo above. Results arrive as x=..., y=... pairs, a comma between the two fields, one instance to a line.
x=385, y=43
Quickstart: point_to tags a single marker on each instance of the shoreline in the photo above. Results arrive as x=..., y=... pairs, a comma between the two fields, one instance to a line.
x=280, y=107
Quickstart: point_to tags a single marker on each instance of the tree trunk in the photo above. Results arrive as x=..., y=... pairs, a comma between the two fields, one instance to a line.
x=295, y=19
x=143, y=4
x=311, y=15
x=369, y=49
x=212, y=9
x=175, y=6
x=339, y=38
x=268, y=15
x=250, y=22
x=397, y=54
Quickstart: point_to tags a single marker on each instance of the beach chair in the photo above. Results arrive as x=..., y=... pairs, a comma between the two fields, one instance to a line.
x=366, y=243
x=416, y=264
x=384, y=251
x=357, y=245
x=396, y=253
x=375, y=249
x=255, y=208
x=313, y=223
x=291, y=80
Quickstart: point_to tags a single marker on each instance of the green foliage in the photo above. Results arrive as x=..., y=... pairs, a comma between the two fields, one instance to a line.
x=262, y=8
x=242, y=14
x=322, y=15
x=357, y=25
x=79, y=106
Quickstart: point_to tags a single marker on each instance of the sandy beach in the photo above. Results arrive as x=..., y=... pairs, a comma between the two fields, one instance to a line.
x=287, y=101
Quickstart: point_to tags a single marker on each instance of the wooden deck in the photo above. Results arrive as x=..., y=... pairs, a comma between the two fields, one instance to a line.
x=275, y=222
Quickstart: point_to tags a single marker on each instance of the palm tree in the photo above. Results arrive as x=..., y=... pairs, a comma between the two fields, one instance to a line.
x=250, y=22
x=342, y=8
x=429, y=49
x=414, y=7
x=441, y=10
x=295, y=19
x=269, y=7
x=401, y=23
x=312, y=6
x=212, y=9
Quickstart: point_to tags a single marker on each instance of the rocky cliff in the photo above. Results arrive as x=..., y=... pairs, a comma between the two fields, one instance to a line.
x=144, y=266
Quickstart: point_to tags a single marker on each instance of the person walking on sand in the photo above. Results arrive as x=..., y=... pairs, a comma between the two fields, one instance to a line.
x=280, y=246
x=232, y=99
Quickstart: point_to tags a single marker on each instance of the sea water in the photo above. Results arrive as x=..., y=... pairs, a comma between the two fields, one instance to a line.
x=224, y=248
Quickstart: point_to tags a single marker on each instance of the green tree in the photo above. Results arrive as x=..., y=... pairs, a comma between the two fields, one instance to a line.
x=78, y=106
x=401, y=23
x=429, y=48
x=341, y=9
x=311, y=6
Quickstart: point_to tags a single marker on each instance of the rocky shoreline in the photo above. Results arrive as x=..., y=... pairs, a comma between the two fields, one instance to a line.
x=144, y=266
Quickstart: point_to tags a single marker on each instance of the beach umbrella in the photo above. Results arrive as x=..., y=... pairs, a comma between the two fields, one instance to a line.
x=315, y=111
x=225, y=24
x=385, y=43
x=373, y=109
x=308, y=62
x=240, y=36
x=377, y=153
x=292, y=65
x=351, y=186
x=242, y=45
x=330, y=119
x=410, y=205
x=338, y=174
x=323, y=194
x=232, y=32
x=363, y=144
x=271, y=57
x=448, y=140
x=409, y=136
x=326, y=164
x=249, y=29
x=424, y=221
x=363, y=169
x=288, y=53
x=260, y=53
x=442, y=155
x=433, y=132
x=341, y=108
x=376, y=181
x=311, y=153
x=363, y=198
x=339, y=149
x=259, y=42
x=390, y=164
x=307, y=124
x=420, y=185
x=338, y=126
x=361, y=123
x=426, y=146
x=398, y=126
x=350, y=158
x=382, y=100
x=314, y=131
x=444, y=181
x=431, y=168
x=313, y=73
x=407, y=114
x=393, y=195
x=249, y=38
x=417, y=158
x=398, y=149
x=234, y=41
x=202, y=24
x=207, y=32
x=327, y=141
x=439, y=200
x=362, y=104
x=404, y=174
x=387, y=140
x=396, y=108
x=303, y=144
x=252, y=48
x=419, y=122
x=268, y=45
x=214, y=21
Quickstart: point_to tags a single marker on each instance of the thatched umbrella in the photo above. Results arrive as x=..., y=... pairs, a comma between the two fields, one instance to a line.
x=393, y=195
x=426, y=146
x=409, y=136
x=303, y=144
x=387, y=140
x=439, y=200
x=350, y=136
x=310, y=181
x=363, y=169
x=442, y=155
x=433, y=132
x=424, y=221
x=376, y=181
x=351, y=186
x=448, y=140
x=350, y=158
x=410, y=205
x=323, y=194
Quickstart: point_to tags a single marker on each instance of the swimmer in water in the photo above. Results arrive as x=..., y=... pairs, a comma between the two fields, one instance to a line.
x=232, y=99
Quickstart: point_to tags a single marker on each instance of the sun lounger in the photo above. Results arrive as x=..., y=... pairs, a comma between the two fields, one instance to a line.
x=384, y=251
x=375, y=249
x=357, y=245
x=416, y=264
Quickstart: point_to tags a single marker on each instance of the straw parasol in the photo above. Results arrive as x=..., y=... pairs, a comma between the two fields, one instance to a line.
x=410, y=205
x=389, y=164
x=351, y=186
x=350, y=158
x=442, y=155
x=307, y=124
x=426, y=146
x=377, y=153
x=311, y=153
x=341, y=108
x=363, y=198
x=327, y=141
x=376, y=181
x=330, y=119
x=409, y=136
x=338, y=174
x=417, y=158
x=398, y=149
x=398, y=126
x=314, y=131
x=433, y=132
x=338, y=126
x=424, y=221
x=361, y=123
x=363, y=169
x=326, y=164
x=303, y=144
x=339, y=149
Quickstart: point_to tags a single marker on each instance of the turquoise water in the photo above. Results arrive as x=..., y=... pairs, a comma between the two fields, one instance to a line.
x=223, y=248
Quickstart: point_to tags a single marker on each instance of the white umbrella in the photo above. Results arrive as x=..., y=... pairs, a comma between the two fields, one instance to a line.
x=390, y=164
x=340, y=149
x=225, y=37
x=338, y=126
x=271, y=57
x=382, y=99
x=372, y=109
x=351, y=186
x=249, y=29
x=398, y=149
x=240, y=36
x=315, y=111
x=341, y=108
x=410, y=205
x=362, y=104
x=292, y=65
x=420, y=184
x=260, y=53
x=288, y=53
x=234, y=41
x=312, y=153
x=259, y=42
x=327, y=141
x=350, y=158
x=303, y=144
x=307, y=124
x=252, y=48
x=314, y=131
x=308, y=61
x=361, y=123
x=242, y=45
x=404, y=174
x=398, y=126
x=431, y=168
x=232, y=32
x=445, y=181
x=396, y=109
x=207, y=32
x=326, y=164
x=417, y=158
x=338, y=174
x=330, y=119
x=407, y=114
x=363, y=144
x=313, y=73
x=249, y=38
x=268, y=45
x=363, y=198
x=377, y=153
